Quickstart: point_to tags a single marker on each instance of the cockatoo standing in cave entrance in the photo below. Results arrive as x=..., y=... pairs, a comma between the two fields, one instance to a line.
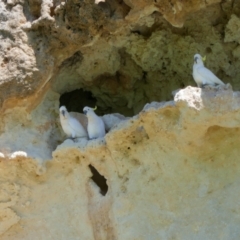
x=202, y=75
x=96, y=127
x=70, y=125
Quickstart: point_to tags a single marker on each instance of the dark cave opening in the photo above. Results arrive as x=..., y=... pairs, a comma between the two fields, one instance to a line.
x=76, y=100
x=99, y=180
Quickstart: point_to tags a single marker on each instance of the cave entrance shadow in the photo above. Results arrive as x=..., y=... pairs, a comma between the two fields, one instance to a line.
x=76, y=100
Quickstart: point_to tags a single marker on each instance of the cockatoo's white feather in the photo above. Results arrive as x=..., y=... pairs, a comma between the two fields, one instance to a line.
x=70, y=125
x=202, y=75
x=96, y=127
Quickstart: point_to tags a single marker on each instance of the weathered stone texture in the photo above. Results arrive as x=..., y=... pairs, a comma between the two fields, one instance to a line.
x=172, y=173
x=113, y=46
x=172, y=170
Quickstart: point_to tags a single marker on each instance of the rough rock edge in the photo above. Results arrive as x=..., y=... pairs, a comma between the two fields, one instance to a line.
x=213, y=102
x=216, y=101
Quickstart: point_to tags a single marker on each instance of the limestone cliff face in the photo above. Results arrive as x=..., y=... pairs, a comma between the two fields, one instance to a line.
x=170, y=171
x=126, y=53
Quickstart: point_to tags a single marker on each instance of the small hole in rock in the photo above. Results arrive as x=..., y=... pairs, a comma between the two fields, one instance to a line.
x=100, y=180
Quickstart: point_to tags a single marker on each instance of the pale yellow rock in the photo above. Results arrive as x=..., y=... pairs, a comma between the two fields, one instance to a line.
x=8, y=219
x=171, y=171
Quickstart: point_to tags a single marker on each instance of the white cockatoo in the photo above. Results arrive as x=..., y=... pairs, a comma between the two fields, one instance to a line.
x=96, y=127
x=70, y=125
x=202, y=75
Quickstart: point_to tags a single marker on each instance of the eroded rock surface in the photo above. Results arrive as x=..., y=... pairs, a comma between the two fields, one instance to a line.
x=126, y=53
x=172, y=172
x=169, y=172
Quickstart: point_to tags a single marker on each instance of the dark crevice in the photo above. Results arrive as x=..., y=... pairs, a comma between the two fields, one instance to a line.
x=76, y=100
x=100, y=180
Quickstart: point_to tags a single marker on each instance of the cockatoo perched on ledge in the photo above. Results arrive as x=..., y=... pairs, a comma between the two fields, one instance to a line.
x=96, y=127
x=202, y=75
x=70, y=125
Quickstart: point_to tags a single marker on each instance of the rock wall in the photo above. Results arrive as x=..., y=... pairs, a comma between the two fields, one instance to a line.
x=171, y=170
x=126, y=53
